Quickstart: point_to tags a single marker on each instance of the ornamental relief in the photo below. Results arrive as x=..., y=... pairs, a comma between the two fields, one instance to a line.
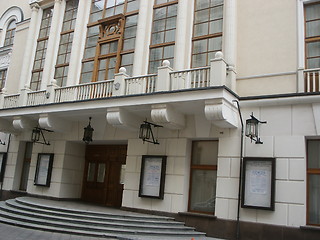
x=5, y=60
x=111, y=27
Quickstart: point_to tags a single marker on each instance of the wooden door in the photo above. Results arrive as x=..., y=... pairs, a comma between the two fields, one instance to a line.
x=101, y=183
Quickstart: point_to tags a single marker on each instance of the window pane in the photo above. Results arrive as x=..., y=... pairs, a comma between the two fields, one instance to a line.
x=170, y=35
x=101, y=172
x=132, y=6
x=159, y=13
x=205, y=153
x=313, y=28
x=203, y=192
x=157, y=38
x=215, y=44
x=216, y=13
x=200, y=4
x=128, y=44
x=314, y=199
x=313, y=49
x=313, y=63
x=312, y=11
x=91, y=170
x=201, y=29
x=127, y=59
x=201, y=16
x=200, y=46
x=199, y=60
x=159, y=25
x=168, y=52
x=313, y=154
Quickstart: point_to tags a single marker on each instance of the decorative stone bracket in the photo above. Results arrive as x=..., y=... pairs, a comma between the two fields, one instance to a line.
x=167, y=116
x=121, y=118
x=221, y=113
x=23, y=123
x=54, y=123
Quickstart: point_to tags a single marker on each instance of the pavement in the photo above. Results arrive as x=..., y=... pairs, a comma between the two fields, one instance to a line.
x=8, y=232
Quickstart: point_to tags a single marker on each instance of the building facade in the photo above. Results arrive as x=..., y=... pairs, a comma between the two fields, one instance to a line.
x=191, y=70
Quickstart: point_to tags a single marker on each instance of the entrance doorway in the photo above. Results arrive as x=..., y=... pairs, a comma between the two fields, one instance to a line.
x=101, y=183
x=26, y=167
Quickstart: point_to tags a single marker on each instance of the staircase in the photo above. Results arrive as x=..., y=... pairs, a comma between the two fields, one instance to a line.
x=26, y=212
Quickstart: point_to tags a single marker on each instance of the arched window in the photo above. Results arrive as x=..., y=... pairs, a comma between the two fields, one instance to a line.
x=11, y=29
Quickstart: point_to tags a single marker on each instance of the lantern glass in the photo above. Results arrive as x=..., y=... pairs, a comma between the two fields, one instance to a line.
x=35, y=135
x=87, y=135
x=145, y=129
x=252, y=128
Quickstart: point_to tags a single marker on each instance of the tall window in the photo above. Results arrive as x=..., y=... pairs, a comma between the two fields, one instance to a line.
x=203, y=176
x=312, y=35
x=110, y=39
x=207, y=31
x=65, y=45
x=41, y=49
x=11, y=30
x=163, y=33
x=3, y=76
x=313, y=182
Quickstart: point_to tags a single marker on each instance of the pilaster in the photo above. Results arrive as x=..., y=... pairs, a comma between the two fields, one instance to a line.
x=30, y=46
x=140, y=62
x=78, y=44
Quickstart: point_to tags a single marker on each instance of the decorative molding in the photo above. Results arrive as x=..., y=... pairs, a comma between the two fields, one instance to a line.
x=5, y=60
x=167, y=116
x=54, y=123
x=121, y=118
x=221, y=113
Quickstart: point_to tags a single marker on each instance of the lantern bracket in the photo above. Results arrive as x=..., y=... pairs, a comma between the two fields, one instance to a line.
x=252, y=129
x=37, y=133
x=146, y=133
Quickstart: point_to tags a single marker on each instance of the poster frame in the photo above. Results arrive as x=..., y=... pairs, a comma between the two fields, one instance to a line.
x=42, y=157
x=158, y=185
x=249, y=199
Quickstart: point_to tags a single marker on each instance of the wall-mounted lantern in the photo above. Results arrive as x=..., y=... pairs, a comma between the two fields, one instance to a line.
x=252, y=129
x=37, y=133
x=146, y=133
x=88, y=131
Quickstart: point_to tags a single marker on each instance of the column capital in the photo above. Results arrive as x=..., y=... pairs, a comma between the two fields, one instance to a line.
x=34, y=6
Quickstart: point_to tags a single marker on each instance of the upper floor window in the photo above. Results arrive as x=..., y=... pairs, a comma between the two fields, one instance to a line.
x=163, y=33
x=3, y=76
x=41, y=49
x=11, y=29
x=207, y=31
x=312, y=35
x=110, y=39
x=66, y=38
x=313, y=182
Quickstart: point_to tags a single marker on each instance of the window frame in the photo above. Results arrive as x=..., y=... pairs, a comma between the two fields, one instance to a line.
x=200, y=167
x=310, y=171
x=164, y=44
x=205, y=36
x=101, y=23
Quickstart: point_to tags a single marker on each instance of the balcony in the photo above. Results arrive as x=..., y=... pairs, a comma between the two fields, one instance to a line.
x=311, y=80
x=167, y=97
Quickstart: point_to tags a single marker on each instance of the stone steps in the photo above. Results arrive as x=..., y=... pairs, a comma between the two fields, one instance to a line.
x=122, y=225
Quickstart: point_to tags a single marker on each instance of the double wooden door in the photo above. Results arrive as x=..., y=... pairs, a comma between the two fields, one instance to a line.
x=101, y=183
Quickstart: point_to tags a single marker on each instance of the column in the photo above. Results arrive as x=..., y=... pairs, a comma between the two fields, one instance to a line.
x=53, y=43
x=230, y=40
x=141, y=54
x=79, y=40
x=184, y=28
x=30, y=46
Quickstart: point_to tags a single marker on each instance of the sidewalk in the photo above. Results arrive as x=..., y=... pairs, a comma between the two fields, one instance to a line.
x=8, y=232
